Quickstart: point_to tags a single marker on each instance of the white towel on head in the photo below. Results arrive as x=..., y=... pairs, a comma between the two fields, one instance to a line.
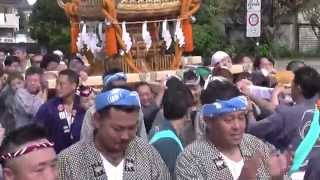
x=218, y=57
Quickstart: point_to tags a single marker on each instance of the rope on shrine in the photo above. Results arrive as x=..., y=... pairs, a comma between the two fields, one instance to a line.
x=71, y=9
x=110, y=12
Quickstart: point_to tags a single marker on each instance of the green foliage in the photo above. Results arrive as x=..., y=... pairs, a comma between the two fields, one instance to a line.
x=209, y=32
x=208, y=38
x=49, y=25
x=276, y=50
x=265, y=50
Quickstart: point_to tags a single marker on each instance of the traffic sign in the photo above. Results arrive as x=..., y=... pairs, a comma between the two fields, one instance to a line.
x=253, y=24
x=253, y=18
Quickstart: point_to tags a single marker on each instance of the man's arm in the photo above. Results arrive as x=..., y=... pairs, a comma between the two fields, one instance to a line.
x=263, y=104
x=270, y=126
x=158, y=98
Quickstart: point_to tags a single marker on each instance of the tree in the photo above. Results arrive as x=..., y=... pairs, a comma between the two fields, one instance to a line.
x=231, y=14
x=273, y=14
x=49, y=25
x=209, y=30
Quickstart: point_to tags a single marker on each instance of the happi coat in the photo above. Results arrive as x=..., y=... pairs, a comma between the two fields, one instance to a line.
x=82, y=161
x=202, y=160
x=59, y=132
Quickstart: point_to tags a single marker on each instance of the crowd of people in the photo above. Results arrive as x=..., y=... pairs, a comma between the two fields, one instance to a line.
x=208, y=123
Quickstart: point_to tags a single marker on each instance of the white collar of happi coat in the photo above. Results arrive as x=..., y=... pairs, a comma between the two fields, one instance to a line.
x=247, y=151
x=95, y=162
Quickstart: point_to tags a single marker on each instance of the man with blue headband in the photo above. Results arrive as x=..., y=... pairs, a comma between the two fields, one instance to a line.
x=114, y=78
x=114, y=152
x=225, y=152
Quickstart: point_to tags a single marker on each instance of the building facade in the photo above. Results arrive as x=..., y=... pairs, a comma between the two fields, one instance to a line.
x=14, y=17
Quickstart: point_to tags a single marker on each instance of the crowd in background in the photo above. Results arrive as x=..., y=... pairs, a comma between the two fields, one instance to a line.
x=210, y=123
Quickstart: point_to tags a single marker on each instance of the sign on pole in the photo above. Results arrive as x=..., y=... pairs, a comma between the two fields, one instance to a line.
x=253, y=18
x=253, y=5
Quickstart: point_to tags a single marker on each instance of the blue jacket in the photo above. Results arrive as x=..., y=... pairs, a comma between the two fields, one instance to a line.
x=287, y=126
x=48, y=116
x=313, y=169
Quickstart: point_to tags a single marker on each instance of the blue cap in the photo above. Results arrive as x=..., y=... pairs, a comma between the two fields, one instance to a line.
x=117, y=97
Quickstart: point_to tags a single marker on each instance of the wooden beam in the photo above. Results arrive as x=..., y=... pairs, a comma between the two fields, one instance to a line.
x=155, y=76
x=96, y=81
x=236, y=69
x=191, y=60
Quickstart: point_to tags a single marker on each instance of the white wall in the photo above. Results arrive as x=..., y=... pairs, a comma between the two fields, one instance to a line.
x=9, y=21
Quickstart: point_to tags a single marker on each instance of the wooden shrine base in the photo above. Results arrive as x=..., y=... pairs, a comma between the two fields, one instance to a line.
x=96, y=81
x=150, y=77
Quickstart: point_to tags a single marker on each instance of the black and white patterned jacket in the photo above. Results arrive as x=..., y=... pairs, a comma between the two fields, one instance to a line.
x=83, y=162
x=201, y=160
